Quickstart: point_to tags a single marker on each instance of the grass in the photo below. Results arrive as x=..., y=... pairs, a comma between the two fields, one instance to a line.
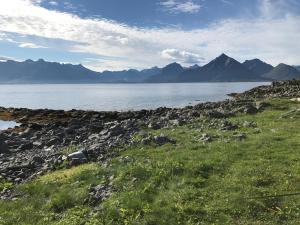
x=226, y=181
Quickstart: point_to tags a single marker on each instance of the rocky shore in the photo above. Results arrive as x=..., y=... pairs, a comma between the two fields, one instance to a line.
x=50, y=139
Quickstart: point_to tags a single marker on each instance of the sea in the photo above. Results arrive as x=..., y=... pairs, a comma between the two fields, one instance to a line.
x=117, y=97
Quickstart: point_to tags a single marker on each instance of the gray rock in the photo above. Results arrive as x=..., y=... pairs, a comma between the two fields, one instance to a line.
x=239, y=137
x=146, y=141
x=177, y=122
x=161, y=140
x=37, y=160
x=77, y=158
x=248, y=124
x=154, y=126
x=226, y=125
x=215, y=114
x=98, y=194
x=3, y=145
x=26, y=146
x=250, y=109
x=206, y=138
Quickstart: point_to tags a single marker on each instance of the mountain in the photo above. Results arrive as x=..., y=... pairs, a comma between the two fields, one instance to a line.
x=127, y=76
x=257, y=66
x=41, y=71
x=44, y=72
x=282, y=72
x=196, y=66
x=221, y=69
x=297, y=67
x=167, y=74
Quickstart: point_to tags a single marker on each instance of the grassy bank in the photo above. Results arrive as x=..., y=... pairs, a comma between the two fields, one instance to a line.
x=252, y=178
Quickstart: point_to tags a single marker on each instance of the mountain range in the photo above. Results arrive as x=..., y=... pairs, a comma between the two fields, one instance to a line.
x=221, y=69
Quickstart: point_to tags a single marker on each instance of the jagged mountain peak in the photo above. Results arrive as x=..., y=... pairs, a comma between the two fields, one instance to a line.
x=257, y=66
x=172, y=68
x=173, y=65
x=223, y=60
x=221, y=69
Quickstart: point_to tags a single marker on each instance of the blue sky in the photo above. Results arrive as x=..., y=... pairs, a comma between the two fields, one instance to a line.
x=119, y=34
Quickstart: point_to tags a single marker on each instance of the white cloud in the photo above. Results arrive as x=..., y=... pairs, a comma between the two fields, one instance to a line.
x=54, y=3
x=272, y=38
x=175, y=6
x=181, y=56
x=30, y=45
x=5, y=58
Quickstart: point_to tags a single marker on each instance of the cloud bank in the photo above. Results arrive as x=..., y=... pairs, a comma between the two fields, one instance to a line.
x=273, y=36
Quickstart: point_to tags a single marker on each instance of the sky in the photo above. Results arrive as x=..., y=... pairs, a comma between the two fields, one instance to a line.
x=137, y=34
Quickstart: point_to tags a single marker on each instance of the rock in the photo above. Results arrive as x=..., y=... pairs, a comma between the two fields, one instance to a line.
x=98, y=194
x=248, y=124
x=146, y=141
x=3, y=145
x=28, y=132
x=215, y=114
x=249, y=109
x=261, y=105
x=77, y=158
x=226, y=125
x=177, y=122
x=161, y=140
x=154, y=126
x=126, y=159
x=37, y=160
x=116, y=130
x=239, y=137
x=53, y=141
x=38, y=144
x=295, y=99
x=26, y=146
x=35, y=126
x=206, y=138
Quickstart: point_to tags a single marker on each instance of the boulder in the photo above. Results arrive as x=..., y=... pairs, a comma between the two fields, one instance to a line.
x=3, y=145
x=206, y=138
x=161, y=140
x=77, y=158
x=26, y=146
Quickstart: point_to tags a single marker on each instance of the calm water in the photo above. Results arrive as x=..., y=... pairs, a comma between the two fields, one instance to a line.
x=119, y=97
x=7, y=124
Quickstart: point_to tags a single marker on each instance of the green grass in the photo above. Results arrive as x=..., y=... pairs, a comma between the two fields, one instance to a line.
x=225, y=181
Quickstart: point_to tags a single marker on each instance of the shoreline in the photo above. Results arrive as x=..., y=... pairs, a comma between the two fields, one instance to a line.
x=46, y=138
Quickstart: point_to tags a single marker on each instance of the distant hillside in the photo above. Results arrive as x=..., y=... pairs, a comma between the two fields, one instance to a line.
x=221, y=69
x=257, y=66
x=45, y=72
x=283, y=72
x=128, y=76
x=167, y=74
x=297, y=67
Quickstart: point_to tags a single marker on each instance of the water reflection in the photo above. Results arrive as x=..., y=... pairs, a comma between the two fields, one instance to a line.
x=7, y=124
